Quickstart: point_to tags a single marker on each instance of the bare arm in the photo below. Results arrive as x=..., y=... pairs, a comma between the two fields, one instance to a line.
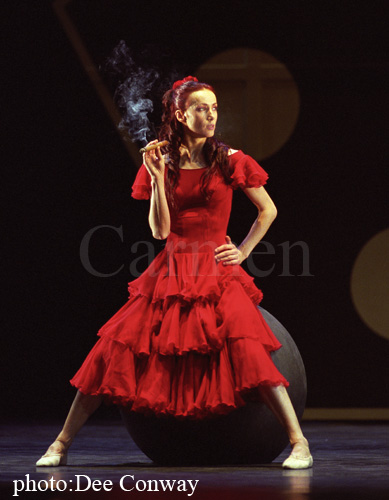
x=267, y=212
x=159, y=216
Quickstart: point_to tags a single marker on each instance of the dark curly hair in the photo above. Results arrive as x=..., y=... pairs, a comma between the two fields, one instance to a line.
x=215, y=151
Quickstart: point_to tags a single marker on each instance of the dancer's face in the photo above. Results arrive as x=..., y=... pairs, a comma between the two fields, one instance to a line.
x=200, y=115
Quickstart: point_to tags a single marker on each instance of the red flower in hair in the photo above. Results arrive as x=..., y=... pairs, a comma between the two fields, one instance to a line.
x=186, y=79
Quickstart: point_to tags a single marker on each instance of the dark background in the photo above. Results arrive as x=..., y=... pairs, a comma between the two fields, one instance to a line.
x=67, y=171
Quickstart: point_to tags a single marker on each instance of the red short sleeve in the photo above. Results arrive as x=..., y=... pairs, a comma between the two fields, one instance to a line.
x=246, y=172
x=141, y=188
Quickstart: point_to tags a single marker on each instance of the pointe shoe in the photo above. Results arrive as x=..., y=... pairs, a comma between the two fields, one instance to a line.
x=293, y=462
x=53, y=458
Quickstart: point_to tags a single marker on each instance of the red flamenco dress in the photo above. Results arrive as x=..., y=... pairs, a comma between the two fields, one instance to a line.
x=190, y=341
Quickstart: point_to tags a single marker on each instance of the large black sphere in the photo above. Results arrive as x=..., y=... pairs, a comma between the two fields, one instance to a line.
x=248, y=435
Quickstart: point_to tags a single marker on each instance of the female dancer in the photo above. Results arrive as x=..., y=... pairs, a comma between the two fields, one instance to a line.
x=190, y=340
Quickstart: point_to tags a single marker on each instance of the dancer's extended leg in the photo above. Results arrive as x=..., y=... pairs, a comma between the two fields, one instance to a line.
x=82, y=408
x=277, y=399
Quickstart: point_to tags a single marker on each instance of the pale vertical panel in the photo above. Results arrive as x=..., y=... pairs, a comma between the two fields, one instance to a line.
x=232, y=122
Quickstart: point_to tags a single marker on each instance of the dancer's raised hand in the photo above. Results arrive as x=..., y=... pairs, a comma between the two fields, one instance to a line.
x=154, y=162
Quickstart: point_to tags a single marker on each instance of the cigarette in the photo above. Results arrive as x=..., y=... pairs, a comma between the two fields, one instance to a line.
x=153, y=146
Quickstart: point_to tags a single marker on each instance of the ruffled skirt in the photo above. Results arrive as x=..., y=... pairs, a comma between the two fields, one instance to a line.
x=189, y=342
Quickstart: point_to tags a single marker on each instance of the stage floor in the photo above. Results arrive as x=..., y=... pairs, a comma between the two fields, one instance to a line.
x=351, y=460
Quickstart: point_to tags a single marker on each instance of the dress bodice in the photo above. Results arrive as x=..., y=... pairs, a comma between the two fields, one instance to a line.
x=200, y=225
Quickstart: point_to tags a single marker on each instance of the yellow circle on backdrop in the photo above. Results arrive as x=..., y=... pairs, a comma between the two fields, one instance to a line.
x=370, y=283
x=258, y=97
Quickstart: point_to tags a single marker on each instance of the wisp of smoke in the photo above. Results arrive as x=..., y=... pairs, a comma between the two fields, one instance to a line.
x=131, y=94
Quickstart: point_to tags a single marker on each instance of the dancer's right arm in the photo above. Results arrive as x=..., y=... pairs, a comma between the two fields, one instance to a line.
x=159, y=216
